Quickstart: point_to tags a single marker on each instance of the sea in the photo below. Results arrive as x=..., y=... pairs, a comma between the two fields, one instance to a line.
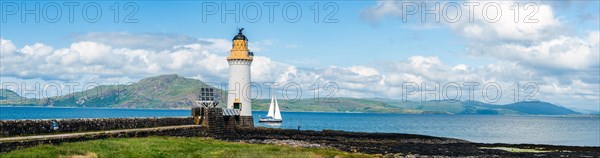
x=554, y=130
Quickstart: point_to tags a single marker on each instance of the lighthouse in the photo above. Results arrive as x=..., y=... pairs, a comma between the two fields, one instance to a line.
x=238, y=97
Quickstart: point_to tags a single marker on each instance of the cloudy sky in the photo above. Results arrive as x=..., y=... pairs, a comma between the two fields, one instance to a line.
x=530, y=50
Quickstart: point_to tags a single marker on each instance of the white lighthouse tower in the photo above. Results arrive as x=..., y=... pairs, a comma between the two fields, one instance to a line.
x=240, y=59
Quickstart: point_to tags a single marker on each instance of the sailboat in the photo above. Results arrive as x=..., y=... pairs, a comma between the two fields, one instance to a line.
x=273, y=115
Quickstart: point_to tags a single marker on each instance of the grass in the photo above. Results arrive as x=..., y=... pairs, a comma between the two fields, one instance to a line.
x=172, y=147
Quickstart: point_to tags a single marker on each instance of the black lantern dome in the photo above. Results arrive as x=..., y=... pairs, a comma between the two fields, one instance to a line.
x=240, y=35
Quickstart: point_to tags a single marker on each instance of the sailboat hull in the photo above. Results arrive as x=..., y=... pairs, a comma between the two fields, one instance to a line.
x=269, y=120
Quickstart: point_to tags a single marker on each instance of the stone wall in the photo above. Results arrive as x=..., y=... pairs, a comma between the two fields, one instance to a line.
x=214, y=120
x=231, y=123
x=246, y=122
x=217, y=123
x=214, y=124
x=10, y=128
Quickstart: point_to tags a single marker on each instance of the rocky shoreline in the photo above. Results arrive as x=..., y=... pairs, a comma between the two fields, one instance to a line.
x=403, y=145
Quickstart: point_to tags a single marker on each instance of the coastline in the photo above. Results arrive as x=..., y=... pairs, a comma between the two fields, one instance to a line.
x=333, y=112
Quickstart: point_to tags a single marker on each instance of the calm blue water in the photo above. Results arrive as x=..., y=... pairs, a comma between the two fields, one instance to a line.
x=579, y=131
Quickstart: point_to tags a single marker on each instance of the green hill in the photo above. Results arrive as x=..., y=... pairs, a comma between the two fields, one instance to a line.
x=334, y=105
x=166, y=91
x=6, y=94
x=173, y=91
x=480, y=108
x=416, y=107
x=539, y=108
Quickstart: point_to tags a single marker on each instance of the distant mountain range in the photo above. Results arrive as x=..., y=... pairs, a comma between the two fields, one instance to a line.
x=173, y=91
x=166, y=91
x=416, y=107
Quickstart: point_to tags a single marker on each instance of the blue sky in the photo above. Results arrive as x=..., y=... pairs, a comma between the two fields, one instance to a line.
x=369, y=52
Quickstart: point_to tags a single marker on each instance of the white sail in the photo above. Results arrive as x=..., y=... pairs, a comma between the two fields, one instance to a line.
x=271, y=110
x=277, y=114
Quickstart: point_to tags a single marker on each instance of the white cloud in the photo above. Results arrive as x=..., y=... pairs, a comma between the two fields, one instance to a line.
x=537, y=44
x=530, y=21
x=541, y=25
x=37, y=50
x=383, y=8
x=574, y=53
x=535, y=41
x=6, y=47
x=364, y=72
x=460, y=67
x=138, y=40
x=205, y=60
x=266, y=70
x=87, y=58
x=259, y=46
